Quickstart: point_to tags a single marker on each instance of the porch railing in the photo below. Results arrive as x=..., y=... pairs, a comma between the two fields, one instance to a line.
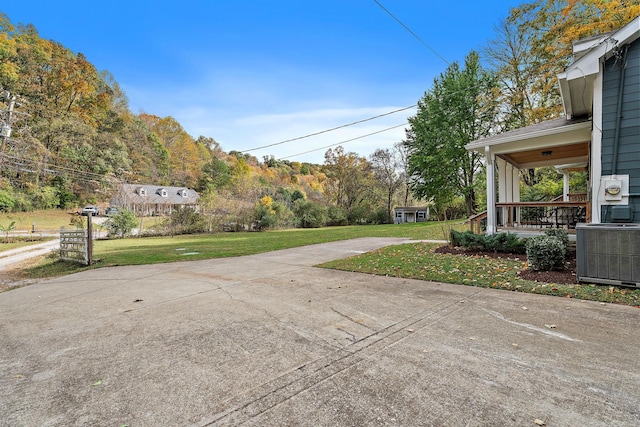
x=555, y=214
x=476, y=222
x=573, y=197
x=535, y=215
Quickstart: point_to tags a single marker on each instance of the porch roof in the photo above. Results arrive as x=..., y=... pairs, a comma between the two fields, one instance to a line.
x=552, y=142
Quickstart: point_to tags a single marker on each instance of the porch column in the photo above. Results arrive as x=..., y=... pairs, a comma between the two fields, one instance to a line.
x=503, y=191
x=565, y=191
x=508, y=189
x=491, y=190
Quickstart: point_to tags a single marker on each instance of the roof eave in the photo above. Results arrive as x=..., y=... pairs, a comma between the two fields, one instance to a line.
x=480, y=144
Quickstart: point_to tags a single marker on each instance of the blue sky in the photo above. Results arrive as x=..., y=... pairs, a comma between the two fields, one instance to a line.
x=251, y=73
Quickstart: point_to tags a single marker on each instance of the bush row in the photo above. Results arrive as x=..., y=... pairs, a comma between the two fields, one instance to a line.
x=544, y=253
x=499, y=242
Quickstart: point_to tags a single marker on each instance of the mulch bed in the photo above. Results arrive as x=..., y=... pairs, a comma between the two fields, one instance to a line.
x=565, y=277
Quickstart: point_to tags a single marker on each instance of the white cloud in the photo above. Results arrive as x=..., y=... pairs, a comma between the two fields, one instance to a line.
x=243, y=110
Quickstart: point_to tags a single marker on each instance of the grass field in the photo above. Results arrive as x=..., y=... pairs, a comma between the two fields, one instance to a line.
x=52, y=220
x=150, y=250
x=49, y=220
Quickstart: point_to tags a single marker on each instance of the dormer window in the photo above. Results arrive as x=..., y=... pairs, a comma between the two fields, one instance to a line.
x=163, y=192
x=183, y=193
x=142, y=191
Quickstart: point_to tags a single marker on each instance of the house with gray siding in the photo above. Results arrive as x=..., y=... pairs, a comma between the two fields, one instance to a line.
x=599, y=133
x=404, y=214
x=154, y=200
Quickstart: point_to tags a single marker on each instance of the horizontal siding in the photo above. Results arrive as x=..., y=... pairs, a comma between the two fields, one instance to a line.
x=629, y=143
x=626, y=122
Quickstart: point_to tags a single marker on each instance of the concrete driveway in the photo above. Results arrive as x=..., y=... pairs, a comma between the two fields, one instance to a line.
x=269, y=340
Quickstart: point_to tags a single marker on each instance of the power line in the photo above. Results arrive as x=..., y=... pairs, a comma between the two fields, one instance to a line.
x=345, y=141
x=21, y=164
x=329, y=130
x=410, y=32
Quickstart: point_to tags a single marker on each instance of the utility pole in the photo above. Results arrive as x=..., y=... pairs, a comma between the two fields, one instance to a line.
x=5, y=131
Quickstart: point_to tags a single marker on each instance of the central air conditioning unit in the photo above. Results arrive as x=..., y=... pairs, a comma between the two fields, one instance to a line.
x=608, y=254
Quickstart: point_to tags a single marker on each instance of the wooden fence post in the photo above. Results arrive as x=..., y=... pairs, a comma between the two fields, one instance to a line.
x=89, y=238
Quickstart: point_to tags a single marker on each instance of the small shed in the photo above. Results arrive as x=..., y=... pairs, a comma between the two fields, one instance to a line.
x=402, y=214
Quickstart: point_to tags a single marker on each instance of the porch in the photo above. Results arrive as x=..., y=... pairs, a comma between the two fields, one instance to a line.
x=561, y=143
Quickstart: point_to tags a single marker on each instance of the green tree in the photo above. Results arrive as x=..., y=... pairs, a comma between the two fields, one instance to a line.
x=121, y=223
x=7, y=201
x=461, y=107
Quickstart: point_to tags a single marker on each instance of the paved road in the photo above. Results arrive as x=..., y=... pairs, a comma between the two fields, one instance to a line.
x=269, y=340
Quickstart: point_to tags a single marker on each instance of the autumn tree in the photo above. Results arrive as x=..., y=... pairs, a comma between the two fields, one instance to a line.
x=385, y=165
x=348, y=176
x=534, y=44
x=460, y=107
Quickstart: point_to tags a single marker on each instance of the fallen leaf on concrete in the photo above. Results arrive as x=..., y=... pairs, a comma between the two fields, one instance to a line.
x=137, y=300
x=524, y=308
x=539, y=422
x=515, y=345
x=97, y=382
x=410, y=330
x=550, y=326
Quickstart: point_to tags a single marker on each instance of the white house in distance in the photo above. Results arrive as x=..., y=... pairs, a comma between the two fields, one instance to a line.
x=146, y=200
x=599, y=133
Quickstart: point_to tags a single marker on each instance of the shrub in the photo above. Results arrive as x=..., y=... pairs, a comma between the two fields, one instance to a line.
x=336, y=216
x=468, y=240
x=121, y=223
x=184, y=221
x=545, y=253
x=499, y=242
x=380, y=216
x=309, y=214
x=264, y=217
x=559, y=233
x=505, y=242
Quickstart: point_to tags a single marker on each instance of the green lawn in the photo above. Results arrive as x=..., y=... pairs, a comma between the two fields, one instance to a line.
x=49, y=220
x=167, y=249
x=150, y=250
x=53, y=220
x=418, y=261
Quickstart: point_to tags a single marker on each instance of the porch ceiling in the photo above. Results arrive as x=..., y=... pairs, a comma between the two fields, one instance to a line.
x=562, y=141
x=549, y=156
